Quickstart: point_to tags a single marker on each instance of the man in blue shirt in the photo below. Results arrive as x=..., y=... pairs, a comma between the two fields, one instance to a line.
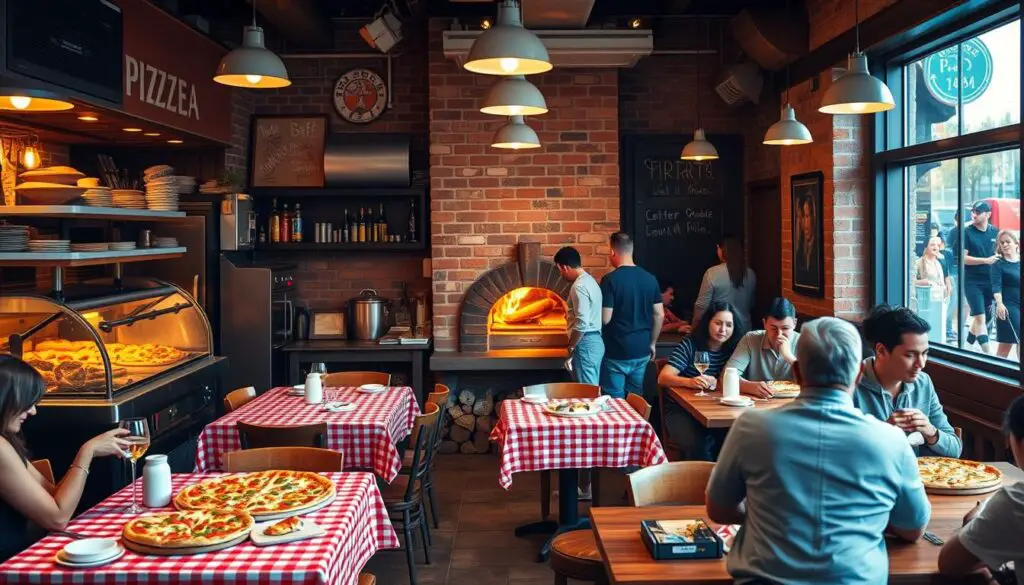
x=632, y=312
x=979, y=256
x=815, y=483
x=894, y=387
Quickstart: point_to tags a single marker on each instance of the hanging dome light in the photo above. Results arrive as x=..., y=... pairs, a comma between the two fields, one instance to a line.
x=514, y=96
x=252, y=65
x=788, y=131
x=18, y=99
x=515, y=135
x=507, y=48
x=857, y=91
x=699, y=148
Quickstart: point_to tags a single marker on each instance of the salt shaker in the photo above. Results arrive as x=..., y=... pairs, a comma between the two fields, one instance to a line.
x=314, y=389
x=156, y=482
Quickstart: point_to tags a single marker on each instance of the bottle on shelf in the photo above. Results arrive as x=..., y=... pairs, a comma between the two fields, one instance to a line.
x=383, y=229
x=275, y=222
x=412, y=220
x=362, y=225
x=263, y=235
x=297, y=224
x=344, y=227
x=353, y=229
x=371, y=226
x=286, y=225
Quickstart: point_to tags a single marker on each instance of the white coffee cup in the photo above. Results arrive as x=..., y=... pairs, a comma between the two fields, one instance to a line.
x=730, y=383
x=314, y=389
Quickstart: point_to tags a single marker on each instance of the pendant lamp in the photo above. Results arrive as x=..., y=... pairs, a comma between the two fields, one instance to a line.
x=252, y=65
x=18, y=99
x=699, y=148
x=515, y=135
x=507, y=48
x=514, y=96
x=857, y=91
x=788, y=131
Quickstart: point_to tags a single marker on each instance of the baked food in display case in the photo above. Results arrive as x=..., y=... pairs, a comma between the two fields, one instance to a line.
x=98, y=340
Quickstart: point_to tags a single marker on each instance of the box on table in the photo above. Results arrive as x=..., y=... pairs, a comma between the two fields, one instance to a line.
x=680, y=539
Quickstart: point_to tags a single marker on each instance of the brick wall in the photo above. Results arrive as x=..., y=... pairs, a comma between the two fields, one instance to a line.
x=327, y=280
x=483, y=200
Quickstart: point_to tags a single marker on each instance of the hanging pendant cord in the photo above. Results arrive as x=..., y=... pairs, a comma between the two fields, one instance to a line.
x=856, y=23
x=254, y=13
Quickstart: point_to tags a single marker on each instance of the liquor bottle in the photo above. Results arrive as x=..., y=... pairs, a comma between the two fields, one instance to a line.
x=353, y=229
x=412, y=221
x=383, y=224
x=286, y=225
x=263, y=235
x=297, y=224
x=275, y=222
x=344, y=227
x=362, y=226
x=371, y=226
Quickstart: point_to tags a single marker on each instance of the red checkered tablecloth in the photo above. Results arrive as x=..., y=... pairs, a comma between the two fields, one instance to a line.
x=356, y=522
x=367, y=436
x=532, y=440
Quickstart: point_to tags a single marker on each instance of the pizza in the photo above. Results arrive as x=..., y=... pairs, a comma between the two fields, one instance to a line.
x=261, y=494
x=147, y=354
x=957, y=474
x=784, y=388
x=188, y=529
x=286, y=526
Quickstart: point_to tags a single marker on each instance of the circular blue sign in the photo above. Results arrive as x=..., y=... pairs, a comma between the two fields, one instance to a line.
x=941, y=72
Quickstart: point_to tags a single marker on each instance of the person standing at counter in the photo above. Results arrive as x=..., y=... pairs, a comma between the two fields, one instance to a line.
x=731, y=281
x=586, y=348
x=1006, y=292
x=768, y=354
x=672, y=323
x=632, y=313
x=25, y=496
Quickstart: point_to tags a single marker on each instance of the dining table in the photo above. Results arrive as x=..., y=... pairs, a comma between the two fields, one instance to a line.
x=368, y=433
x=617, y=531
x=712, y=413
x=356, y=525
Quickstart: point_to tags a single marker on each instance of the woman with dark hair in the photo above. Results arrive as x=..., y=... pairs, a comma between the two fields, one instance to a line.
x=716, y=334
x=25, y=496
x=731, y=282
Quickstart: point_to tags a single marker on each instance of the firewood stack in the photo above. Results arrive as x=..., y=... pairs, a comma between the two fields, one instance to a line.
x=470, y=420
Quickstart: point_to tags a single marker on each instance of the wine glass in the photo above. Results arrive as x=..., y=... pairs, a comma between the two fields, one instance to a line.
x=701, y=361
x=138, y=444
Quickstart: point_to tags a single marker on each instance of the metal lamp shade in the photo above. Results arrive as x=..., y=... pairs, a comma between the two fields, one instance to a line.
x=252, y=65
x=857, y=91
x=514, y=96
x=507, y=48
x=515, y=135
x=19, y=99
x=787, y=131
x=699, y=148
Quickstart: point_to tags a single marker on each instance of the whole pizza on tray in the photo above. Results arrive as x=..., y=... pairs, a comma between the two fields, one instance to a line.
x=261, y=494
x=188, y=529
x=945, y=473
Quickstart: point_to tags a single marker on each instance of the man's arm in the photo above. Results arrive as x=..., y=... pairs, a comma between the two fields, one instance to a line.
x=607, y=300
x=912, y=510
x=727, y=486
x=946, y=443
x=581, y=304
x=991, y=539
x=956, y=560
x=658, y=318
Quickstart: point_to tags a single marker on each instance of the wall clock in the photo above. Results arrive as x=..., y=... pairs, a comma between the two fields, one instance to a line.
x=360, y=96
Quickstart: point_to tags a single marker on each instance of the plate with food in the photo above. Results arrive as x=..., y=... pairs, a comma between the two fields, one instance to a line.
x=573, y=408
x=290, y=529
x=266, y=495
x=958, y=477
x=185, y=532
x=784, y=389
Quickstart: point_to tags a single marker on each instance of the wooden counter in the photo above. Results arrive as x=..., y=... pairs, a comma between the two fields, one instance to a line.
x=354, y=352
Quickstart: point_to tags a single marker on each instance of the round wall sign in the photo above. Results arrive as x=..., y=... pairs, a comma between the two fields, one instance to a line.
x=360, y=96
x=941, y=72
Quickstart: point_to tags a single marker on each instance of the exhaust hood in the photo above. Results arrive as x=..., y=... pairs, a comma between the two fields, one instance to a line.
x=571, y=48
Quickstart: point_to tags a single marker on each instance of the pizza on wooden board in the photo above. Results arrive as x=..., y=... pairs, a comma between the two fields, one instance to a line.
x=262, y=493
x=188, y=529
x=957, y=474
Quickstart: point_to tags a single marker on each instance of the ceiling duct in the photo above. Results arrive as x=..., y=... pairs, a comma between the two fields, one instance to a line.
x=741, y=83
x=772, y=38
x=300, y=21
x=570, y=48
x=549, y=14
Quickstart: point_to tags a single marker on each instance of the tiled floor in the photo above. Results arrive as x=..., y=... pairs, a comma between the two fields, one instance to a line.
x=475, y=544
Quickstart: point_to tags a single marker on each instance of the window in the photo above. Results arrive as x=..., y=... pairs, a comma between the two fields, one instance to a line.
x=949, y=180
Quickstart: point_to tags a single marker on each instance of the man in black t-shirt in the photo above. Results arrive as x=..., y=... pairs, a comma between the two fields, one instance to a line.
x=979, y=256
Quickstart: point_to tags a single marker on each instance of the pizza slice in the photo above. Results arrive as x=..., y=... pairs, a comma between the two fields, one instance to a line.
x=286, y=526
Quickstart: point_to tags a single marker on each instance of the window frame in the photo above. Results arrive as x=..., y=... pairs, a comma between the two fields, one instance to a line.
x=891, y=156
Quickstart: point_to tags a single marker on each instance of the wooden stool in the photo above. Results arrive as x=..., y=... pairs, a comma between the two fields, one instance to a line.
x=574, y=555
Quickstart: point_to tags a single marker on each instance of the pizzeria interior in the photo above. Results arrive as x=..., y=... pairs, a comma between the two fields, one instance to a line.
x=510, y=291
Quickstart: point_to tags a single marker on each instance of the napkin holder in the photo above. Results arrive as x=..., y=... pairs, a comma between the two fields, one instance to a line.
x=665, y=544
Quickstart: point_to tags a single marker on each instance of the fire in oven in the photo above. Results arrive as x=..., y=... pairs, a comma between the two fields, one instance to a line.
x=528, y=317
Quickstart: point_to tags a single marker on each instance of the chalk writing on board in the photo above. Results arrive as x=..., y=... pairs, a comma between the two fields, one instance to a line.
x=700, y=221
x=679, y=178
x=288, y=151
x=663, y=223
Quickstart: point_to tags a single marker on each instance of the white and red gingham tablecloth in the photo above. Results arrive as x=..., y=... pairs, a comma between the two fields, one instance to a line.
x=532, y=440
x=367, y=436
x=356, y=522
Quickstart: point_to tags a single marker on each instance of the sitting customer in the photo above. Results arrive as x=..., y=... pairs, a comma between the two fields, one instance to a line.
x=24, y=494
x=815, y=483
x=895, y=389
x=767, y=354
x=993, y=532
x=717, y=335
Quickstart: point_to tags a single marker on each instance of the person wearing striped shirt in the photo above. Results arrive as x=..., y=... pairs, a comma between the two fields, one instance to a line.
x=717, y=333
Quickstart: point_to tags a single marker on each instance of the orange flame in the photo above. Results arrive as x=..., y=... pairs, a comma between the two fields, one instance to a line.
x=510, y=303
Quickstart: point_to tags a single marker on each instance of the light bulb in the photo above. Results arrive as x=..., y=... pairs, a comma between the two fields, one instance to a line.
x=485, y=23
x=30, y=158
x=254, y=79
x=508, y=64
x=514, y=110
x=635, y=23
x=858, y=106
x=21, y=102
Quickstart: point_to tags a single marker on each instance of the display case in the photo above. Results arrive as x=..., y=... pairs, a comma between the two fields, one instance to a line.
x=101, y=340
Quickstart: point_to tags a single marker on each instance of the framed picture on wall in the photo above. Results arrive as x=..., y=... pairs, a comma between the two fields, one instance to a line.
x=807, y=204
x=287, y=151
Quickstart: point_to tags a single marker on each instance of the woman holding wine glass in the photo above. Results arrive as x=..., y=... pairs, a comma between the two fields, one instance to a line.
x=25, y=496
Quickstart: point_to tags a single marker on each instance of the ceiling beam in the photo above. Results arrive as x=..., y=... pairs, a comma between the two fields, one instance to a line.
x=300, y=21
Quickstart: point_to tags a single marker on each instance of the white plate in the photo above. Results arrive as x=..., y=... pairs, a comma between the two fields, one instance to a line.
x=535, y=399
x=592, y=409
x=309, y=529
x=61, y=560
x=372, y=388
x=737, y=402
x=88, y=550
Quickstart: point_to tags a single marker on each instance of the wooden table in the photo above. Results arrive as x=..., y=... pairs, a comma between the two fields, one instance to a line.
x=713, y=414
x=351, y=351
x=628, y=563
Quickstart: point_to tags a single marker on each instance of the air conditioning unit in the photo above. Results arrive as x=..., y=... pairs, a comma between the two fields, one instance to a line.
x=741, y=83
x=571, y=48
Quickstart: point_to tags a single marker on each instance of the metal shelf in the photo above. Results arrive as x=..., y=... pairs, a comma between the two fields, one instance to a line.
x=415, y=191
x=86, y=212
x=344, y=246
x=74, y=259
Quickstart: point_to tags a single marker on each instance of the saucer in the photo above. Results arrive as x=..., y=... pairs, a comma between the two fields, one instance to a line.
x=372, y=388
x=534, y=399
x=61, y=560
x=738, y=401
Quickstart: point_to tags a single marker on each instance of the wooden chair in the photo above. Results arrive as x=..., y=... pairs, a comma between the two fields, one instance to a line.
x=45, y=469
x=258, y=436
x=356, y=378
x=639, y=405
x=236, y=398
x=439, y=397
x=403, y=498
x=574, y=555
x=367, y=579
x=674, y=451
x=681, y=483
x=290, y=458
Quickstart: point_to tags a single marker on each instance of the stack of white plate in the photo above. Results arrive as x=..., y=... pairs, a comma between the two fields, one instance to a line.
x=49, y=245
x=129, y=198
x=162, y=194
x=97, y=247
x=157, y=172
x=98, y=197
x=121, y=246
x=185, y=184
x=13, y=238
x=164, y=242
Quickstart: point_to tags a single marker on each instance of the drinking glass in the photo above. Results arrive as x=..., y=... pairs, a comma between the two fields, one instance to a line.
x=701, y=361
x=318, y=368
x=138, y=443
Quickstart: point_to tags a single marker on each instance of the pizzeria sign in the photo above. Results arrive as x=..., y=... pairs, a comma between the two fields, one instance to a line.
x=945, y=80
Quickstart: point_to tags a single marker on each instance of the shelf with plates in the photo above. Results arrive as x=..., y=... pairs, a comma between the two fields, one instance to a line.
x=86, y=212
x=75, y=259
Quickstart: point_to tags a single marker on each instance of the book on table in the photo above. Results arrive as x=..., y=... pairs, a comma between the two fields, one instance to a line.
x=680, y=539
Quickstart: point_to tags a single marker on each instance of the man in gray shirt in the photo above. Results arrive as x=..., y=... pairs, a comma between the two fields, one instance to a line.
x=768, y=354
x=586, y=348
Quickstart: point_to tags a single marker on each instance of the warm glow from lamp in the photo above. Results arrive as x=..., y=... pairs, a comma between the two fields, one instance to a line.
x=21, y=99
x=132, y=129
x=21, y=102
x=88, y=118
x=508, y=64
x=151, y=134
x=254, y=79
x=635, y=23
x=30, y=158
x=175, y=141
x=485, y=23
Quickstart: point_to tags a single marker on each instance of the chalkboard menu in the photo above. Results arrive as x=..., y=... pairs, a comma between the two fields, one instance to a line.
x=677, y=211
x=287, y=151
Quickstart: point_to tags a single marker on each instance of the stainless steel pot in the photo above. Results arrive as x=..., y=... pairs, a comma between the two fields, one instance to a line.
x=368, y=316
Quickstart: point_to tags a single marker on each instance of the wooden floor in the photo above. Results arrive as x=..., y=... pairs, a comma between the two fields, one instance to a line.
x=475, y=544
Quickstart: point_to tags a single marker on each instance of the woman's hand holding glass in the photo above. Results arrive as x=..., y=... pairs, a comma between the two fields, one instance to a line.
x=109, y=443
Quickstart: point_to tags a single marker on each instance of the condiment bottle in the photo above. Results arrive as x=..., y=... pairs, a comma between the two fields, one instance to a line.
x=156, y=482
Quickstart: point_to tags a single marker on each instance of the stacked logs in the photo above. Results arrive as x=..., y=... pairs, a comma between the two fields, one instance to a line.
x=470, y=419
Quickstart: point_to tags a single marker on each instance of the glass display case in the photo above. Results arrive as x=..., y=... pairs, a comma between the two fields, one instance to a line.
x=100, y=341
